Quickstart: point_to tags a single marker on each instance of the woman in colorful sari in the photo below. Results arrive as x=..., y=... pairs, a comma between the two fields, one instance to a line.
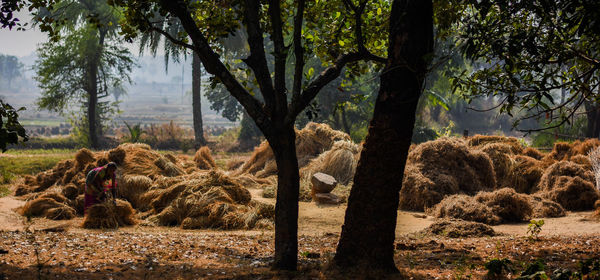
x=99, y=181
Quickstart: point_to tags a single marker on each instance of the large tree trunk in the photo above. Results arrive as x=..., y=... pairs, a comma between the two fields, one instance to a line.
x=593, y=119
x=286, y=206
x=199, y=140
x=367, y=239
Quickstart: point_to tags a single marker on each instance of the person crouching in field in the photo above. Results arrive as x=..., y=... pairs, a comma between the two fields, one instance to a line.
x=96, y=184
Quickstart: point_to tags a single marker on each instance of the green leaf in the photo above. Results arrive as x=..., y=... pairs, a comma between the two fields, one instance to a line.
x=311, y=72
x=379, y=12
x=341, y=43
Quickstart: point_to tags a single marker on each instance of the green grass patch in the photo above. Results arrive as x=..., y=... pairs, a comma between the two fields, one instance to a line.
x=41, y=122
x=4, y=190
x=41, y=151
x=29, y=164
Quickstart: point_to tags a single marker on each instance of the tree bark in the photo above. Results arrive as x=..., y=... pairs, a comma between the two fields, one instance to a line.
x=92, y=102
x=199, y=140
x=593, y=119
x=286, y=206
x=367, y=238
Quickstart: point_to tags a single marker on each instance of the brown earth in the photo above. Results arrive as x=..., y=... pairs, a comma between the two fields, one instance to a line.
x=69, y=252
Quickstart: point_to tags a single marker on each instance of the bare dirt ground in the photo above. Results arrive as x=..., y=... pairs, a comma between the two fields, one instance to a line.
x=63, y=250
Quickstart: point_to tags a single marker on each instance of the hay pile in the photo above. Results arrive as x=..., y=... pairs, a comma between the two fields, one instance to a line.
x=311, y=141
x=165, y=189
x=49, y=205
x=569, y=184
x=204, y=159
x=482, y=140
x=444, y=167
x=459, y=229
x=340, y=162
x=109, y=215
x=500, y=206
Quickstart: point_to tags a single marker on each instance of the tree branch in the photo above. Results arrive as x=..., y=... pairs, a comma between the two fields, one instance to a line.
x=257, y=60
x=213, y=65
x=171, y=38
x=298, y=51
x=280, y=54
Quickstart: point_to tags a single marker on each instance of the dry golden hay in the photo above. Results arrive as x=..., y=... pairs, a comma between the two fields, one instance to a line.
x=582, y=160
x=135, y=146
x=48, y=207
x=543, y=208
x=46, y=179
x=107, y=215
x=482, y=140
x=102, y=161
x=459, y=229
x=139, y=160
x=23, y=189
x=204, y=159
x=84, y=156
x=507, y=204
x=525, y=174
x=29, y=180
x=338, y=162
x=466, y=208
x=548, y=181
x=270, y=191
x=70, y=191
x=132, y=187
x=167, y=167
x=311, y=141
x=444, y=167
x=500, y=154
x=564, y=151
x=117, y=155
x=68, y=176
x=172, y=158
x=573, y=193
x=235, y=163
x=584, y=148
x=534, y=153
x=79, y=203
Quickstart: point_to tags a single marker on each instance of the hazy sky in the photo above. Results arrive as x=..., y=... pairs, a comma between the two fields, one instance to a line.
x=23, y=43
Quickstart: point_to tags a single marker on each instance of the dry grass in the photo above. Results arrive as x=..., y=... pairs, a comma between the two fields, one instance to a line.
x=482, y=140
x=507, y=204
x=203, y=159
x=466, y=208
x=50, y=205
x=339, y=162
x=109, y=216
x=444, y=167
x=573, y=193
x=525, y=174
x=459, y=229
x=543, y=208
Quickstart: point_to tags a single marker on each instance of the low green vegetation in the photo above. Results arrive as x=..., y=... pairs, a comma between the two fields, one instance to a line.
x=30, y=164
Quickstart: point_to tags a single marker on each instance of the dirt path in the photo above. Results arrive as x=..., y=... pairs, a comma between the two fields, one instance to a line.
x=317, y=220
x=9, y=220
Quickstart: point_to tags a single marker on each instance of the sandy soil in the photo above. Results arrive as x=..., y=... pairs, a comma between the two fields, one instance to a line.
x=66, y=251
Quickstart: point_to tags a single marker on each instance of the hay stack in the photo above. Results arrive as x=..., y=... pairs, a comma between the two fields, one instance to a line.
x=167, y=167
x=213, y=200
x=507, y=204
x=107, y=215
x=235, y=163
x=500, y=154
x=582, y=160
x=444, y=167
x=573, y=193
x=534, y=153
x=338, y=162
x=117, y=155
x=563, y=168
x=132, y=187
x=482, y=140
x=459, y=229
x=23, y=189
x=543, y=208
x=84, y=157
x=311, y=141
x=525, y=174
x=51, y=206
x=204, y=159
x=70, y=191
x=466, y=208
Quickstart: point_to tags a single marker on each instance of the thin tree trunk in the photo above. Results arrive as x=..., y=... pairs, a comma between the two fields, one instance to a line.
x=591, y=114
x=286, y=207
x=368, y=232
x=199, y=140
x=92, y=102
x=344, y=120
